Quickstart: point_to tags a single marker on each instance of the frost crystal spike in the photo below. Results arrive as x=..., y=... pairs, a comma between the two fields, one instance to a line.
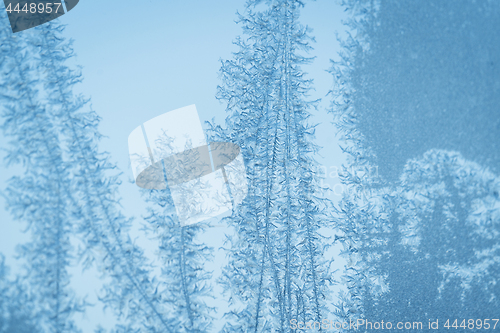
x=170, y=151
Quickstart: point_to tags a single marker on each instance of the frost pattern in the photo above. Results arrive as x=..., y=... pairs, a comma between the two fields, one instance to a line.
x=67, y=188
x=276, y=271
x=427, y=248
x=16, y=305
x=414, y=84
x=39, y=197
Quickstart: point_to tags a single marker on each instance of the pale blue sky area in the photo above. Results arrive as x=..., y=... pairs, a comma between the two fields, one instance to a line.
x=141, y=59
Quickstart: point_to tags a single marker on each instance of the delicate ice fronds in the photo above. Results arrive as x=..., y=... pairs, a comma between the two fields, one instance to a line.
x=184, y=285
x=42, y=195
x=94, y=203
x=276, y=271
x=67, y=187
